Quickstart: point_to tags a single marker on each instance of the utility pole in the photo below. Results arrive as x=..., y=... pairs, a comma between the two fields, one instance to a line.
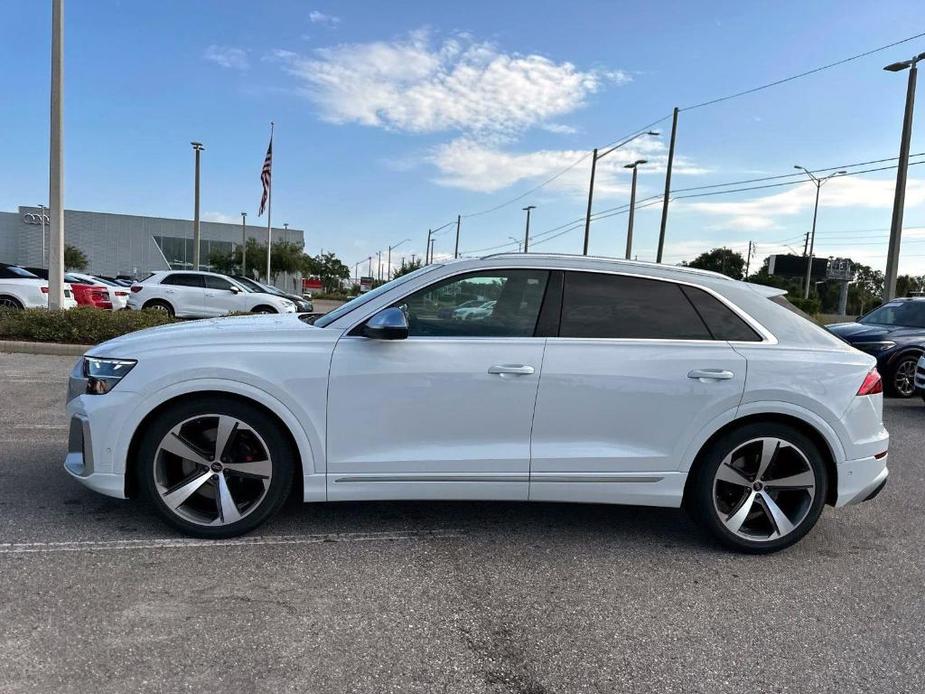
x=433, y=242
x=379, y=262
x=899, y=199
x=244, y=243
x=594, y=157
x=356, y=272
x=456, y=247
x=370, y=273
x=56, y=161
x=527, y=232
x=664, y=223
x=389, y=261
x=427, y=247
x=197, y=148
x=629, y=223
x=818, y=182
x=748, y=258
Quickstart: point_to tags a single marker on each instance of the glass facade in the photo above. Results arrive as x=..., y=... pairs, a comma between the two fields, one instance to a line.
x=179, y=251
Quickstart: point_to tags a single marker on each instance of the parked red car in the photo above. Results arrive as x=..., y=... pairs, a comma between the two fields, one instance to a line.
x=92, y=295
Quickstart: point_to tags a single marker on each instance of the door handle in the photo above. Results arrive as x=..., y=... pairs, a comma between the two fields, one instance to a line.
x=711, y=374
x=512, y=369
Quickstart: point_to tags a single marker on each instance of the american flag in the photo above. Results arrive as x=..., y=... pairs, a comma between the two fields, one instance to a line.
x=265, y=177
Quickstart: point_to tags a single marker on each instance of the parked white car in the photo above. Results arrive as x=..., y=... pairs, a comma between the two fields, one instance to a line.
x=592, y=381
x=189, y=294
x=118, y=295
x=473, y=308
x=19, y=289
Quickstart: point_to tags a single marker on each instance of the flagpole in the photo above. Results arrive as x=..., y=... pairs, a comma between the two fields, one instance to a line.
x=269, y=212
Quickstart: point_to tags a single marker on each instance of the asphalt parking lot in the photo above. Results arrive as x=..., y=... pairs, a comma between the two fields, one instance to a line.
x=97, y=595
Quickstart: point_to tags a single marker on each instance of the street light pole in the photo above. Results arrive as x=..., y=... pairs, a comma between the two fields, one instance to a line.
x=518, y=242
x=244, y=243
x=197, y=148
x=389, y=260
x=664, y=223
x=379, y=263
x=629, y=224
x=285, y=232
x=812, y=234
x=427, y=247
x=456, y=247
x=527, y=231
x=594, y=157
x=56, y=161
x=899, y=199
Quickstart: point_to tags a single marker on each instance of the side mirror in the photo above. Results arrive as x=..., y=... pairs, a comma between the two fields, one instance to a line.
x=235, y=289
x=388, y=324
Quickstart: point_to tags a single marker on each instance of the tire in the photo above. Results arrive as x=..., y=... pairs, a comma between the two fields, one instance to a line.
x=201, y=492
x=159, y=305
x=264, y=309
x=901, y=383
x=727, y=492
x=10, y=303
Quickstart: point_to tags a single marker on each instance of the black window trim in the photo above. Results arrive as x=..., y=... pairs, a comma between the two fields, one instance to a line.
x=202, y=281
x=767, y=337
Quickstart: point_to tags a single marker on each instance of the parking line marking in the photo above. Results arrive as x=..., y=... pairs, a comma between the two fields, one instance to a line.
x=179, y=543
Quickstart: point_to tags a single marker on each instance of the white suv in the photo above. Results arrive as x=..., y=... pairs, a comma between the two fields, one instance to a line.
x=589, y=380
x=201, y=295
x=20, y=288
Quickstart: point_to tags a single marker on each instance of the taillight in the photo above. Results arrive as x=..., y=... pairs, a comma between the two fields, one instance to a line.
x=121, y=293
x=136, y=288
x=44, y=290
x=872, y=384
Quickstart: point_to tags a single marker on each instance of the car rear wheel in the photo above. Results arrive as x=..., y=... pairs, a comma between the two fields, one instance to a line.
x=264, y=309
x=902, y=383
x=215, y=467
x=157, y=305
x=760, y=488
x=10, y=302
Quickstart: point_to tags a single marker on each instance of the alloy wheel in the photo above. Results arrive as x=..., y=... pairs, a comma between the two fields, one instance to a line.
x=7, y=302
x=764, y=489
x=212, y=469
x=904, y=378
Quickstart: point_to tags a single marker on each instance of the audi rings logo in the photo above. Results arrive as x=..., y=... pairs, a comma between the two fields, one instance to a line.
x=35, y=218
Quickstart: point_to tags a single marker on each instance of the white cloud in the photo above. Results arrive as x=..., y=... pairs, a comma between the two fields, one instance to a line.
x=850, y=192
x=416, y=85
x=558, y=128
x=234, y=58
x=316, y=17
x=472, y=165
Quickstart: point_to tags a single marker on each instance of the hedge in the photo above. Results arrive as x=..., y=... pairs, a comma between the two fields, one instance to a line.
x=81, y=326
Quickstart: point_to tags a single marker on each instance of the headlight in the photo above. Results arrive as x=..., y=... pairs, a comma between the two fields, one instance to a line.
x=103, y=374
x=875, y=346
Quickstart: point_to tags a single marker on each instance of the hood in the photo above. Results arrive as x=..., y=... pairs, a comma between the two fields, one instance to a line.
x=870, y=332
x=216, y=333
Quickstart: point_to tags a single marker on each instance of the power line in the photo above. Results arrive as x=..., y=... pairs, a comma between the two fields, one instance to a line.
x=802, y=74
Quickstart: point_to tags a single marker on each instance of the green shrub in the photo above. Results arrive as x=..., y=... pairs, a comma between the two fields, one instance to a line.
x=808, y=306
x=82, y=326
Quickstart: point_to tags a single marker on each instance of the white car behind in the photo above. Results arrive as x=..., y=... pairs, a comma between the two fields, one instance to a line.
x=189, y=294
x=20, y=289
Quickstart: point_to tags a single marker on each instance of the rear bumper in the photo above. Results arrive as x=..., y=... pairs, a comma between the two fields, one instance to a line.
x=861, y=480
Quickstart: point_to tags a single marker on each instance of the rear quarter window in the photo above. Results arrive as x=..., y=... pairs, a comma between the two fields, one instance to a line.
x=721, y=320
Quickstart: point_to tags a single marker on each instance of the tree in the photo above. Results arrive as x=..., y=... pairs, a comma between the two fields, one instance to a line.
x=721, y=260
x=74, y=258
x=407, y=267
x=330, y=270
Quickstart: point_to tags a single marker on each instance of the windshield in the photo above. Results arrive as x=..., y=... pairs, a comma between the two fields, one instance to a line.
x=362, y=299
x=249, y=284
x=905, y=313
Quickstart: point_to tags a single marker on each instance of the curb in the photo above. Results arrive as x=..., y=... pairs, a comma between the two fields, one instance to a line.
x=53, y=348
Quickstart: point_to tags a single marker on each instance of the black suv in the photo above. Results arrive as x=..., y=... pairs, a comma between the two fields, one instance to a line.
x=894, y=333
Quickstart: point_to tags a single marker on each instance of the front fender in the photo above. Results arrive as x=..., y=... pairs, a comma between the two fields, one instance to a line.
x=305, y=432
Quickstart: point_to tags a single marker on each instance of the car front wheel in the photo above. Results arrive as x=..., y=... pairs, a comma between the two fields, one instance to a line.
x=215, y=467
x=760, y=488
x=902, y=383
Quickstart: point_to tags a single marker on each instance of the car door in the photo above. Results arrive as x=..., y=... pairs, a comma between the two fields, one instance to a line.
x=633, y=375
x=221, y=297
x=186, y=293
x=445, y=413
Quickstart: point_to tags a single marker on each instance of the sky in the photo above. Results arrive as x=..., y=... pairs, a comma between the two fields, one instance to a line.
x=392, y=118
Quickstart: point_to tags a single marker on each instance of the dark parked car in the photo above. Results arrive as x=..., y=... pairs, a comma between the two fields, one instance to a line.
x=302, y=305
x=894, y=333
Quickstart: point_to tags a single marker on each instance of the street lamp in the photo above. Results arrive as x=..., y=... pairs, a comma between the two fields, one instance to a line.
x=389, y=259
x=527, y=232
x=197, y=148
x=518, y=242
x=594, y=157
x=899, y=199
x=629, y=224
x=285, y=232
x=812, y=237
x=244, y=243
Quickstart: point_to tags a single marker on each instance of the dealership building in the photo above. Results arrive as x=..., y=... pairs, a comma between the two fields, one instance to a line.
x=128, y=245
